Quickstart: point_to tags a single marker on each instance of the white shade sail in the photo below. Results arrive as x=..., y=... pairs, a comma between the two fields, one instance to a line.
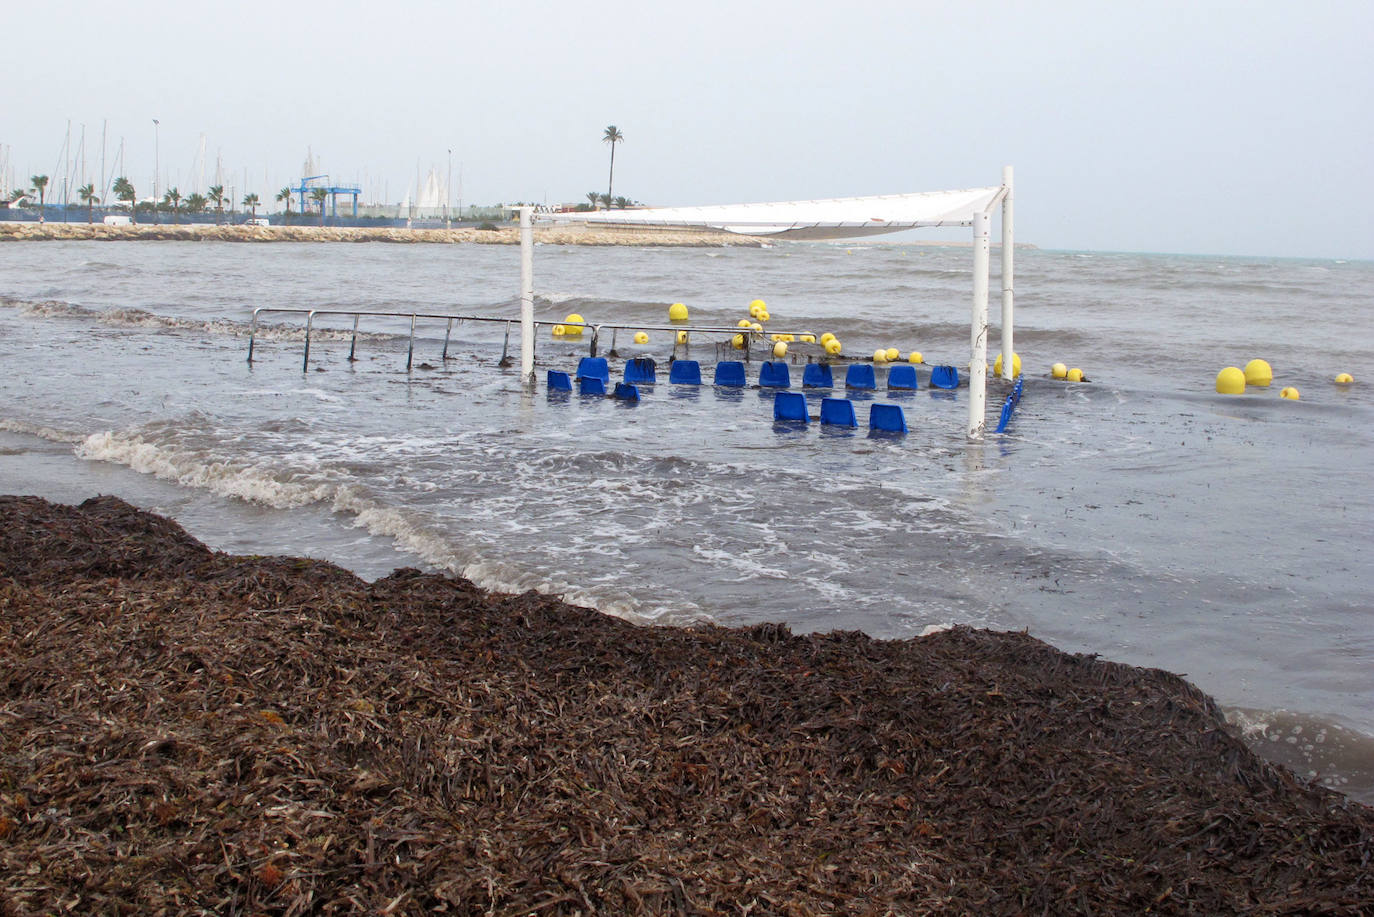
x=835, y=218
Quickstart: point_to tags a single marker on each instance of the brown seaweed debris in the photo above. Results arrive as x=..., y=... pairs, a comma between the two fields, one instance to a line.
x=190, y=732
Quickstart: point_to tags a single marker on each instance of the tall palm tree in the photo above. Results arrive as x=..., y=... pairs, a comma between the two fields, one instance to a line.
x=40, y=185
x=285, y=195
x=173, y=197
x=612, y=136
x=319, y=196
x=251, y=201
x=216, y=193
x=594, y=197
x=124, y=191
x=87, y=193
x=196, y=202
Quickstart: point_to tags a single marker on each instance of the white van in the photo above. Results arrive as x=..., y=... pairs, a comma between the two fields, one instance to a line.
x=260, y=221
x=117, y=220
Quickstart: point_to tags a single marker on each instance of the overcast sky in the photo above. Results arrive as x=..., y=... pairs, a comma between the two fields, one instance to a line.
x=1229, y=128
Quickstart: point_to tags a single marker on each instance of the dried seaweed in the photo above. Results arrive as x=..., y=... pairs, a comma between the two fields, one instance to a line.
x=188, y=732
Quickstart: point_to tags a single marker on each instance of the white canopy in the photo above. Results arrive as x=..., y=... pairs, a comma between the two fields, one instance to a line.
x=835, y=218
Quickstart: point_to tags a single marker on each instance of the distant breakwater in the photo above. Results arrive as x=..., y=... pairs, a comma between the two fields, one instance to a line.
x=505, y=235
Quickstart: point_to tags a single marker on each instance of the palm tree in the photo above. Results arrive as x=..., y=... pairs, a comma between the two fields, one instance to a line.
x=173, y=197
x=251, y=201
x=217, y=195
x=40, y=186
x=319, y=196
x=594, y=197
x=124, y=191
x=285, y=195
x=623, y=203
x=611, y=136
x=87, y=193
x=196, y=203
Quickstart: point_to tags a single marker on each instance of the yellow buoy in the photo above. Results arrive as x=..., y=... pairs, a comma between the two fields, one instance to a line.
x=1015, y=365
x=833, y=346
x=762, y=316
x=737, y=342
x=1231, y=381
x=775, y=337
x=893, y=354
x=745, y=323
x=1344, y=379
x=641, y=337
x=880, y=356
x=755, y=326
x=677, y=312
x=559, y=331
x=1290, y=393
x=682, y=337
x=916, y=357
x=756, y=307
x=1074, y=375
x=788, y=338
x=1059, y=370
x=808, y=339
x=827, y=338
x=574, y=325
x=1257, y=372
x=780, y=350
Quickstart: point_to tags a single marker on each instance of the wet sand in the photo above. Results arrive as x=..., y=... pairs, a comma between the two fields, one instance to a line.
x=193, y=731
x=503, y=235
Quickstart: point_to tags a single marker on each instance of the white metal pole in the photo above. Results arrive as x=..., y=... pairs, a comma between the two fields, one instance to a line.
x=1008, y=247
x=527, y=295
x=978, y=362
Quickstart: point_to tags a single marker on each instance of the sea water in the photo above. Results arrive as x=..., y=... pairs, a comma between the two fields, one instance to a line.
x=1140, y=516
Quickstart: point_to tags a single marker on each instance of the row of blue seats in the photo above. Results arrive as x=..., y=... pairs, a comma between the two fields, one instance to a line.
x=772, y=374
x=1009, y=406
x=792, y=407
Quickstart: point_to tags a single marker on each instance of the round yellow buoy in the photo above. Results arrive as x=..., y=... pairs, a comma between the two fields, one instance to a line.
x=1015, y=365
x=1074, y=375
x=775, y=338
x=780, y=350
x=827, y=338
x=641, y=337
x=1231, y=381
x=787, y=337
x=1344, y=379
x=745, y=323
x=1257, y=372
x=808, y=339
x=880, y=356
x=893, y=354
x=737, y=342
x=574, y=324
x=1290, y=393
x=682, y=337
x=1059, y=370
x=833, y=346
x=755, y=326
x=677, y=312
x=756, y=307
x=762, y=316
x=916, y=357
x=559, y=331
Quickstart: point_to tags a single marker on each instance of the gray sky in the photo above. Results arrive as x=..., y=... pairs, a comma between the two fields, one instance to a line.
x=1236, y=127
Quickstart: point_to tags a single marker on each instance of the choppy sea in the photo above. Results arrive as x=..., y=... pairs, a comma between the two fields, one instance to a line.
x=1139, y=516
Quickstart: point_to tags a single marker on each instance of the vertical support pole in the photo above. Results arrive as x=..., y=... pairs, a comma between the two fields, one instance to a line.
x=305, y=360
x=978, y=331
x=527, y=296
x=252, y=333
x=353, y=343
x=448, y=330
x=1008, y=248
x=410, y=352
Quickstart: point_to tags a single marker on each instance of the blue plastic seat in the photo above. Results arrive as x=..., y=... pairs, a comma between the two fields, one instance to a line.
x=944, y=377
x=1007, y=407
x=559, y=381
x=590, y=385
x=730, y=372
x=774, y=374
x=790, y=406
x=860, y=375
x=627, y=391
x=887, y=417
x=640, y=371
x=817, y=375
x=839, y=412
x=594, y=368
x=902, y=376
x=685, y=372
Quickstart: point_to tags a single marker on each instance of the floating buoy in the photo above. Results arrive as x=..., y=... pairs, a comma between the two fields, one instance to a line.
x=745, y=323
x=916, y=357
x=880, y=356
x=808, y=339
x=1074, y=375
x=677, y=312
x=1344, y=379
x=756, y=327
x=641, y=337
x=827, y=338
x=762, y=316
x=559, y=331
x=1059, y=370
x=780, y=350
x=756, y=307
x=1015, y=365
x=574, y=325
x=893, y=354
x=682, y=337
x=737, y=342
x=788, y=338
x=1289, y=393
x=1231, y=381
x=1257, y=372
x=833, y=346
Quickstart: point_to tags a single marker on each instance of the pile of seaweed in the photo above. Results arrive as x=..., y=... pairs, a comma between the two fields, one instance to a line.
x=184, y=732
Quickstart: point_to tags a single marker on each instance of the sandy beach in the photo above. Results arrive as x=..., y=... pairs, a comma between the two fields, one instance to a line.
x=189, y=731
x=503, y=235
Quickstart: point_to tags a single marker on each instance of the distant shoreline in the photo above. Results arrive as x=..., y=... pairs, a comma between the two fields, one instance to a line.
x=504, y=235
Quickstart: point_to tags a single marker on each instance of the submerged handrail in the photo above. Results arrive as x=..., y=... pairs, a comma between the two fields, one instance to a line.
x=450, y=318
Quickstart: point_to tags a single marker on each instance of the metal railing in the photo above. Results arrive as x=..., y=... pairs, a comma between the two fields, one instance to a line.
x=449, y=320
